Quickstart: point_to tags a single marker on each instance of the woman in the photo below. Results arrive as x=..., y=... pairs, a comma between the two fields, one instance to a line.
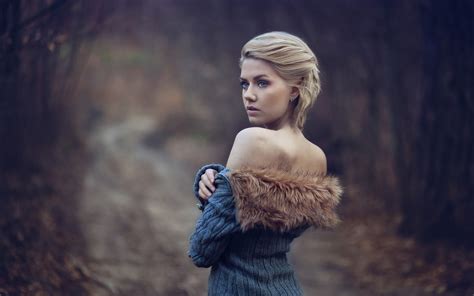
x=274, y=185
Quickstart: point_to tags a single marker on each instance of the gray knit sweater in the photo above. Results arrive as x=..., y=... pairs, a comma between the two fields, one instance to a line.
x=249, y=222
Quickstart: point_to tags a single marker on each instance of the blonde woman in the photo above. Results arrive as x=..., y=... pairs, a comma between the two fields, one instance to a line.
x=274, y=185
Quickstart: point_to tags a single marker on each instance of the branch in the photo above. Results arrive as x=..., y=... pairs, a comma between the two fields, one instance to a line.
x=45, y=11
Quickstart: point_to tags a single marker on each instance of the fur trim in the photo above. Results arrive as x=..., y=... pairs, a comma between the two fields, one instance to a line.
x=280, y=200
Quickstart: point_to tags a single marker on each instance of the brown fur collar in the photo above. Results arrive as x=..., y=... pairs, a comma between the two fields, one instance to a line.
x=280, y=200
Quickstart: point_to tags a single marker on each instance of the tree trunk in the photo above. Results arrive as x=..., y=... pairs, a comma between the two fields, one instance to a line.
x=440, y=204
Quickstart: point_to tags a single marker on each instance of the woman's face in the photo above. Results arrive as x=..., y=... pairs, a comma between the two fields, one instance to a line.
x=265, y=94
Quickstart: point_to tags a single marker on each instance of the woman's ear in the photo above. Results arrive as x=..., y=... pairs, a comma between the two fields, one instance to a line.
x=295, y=92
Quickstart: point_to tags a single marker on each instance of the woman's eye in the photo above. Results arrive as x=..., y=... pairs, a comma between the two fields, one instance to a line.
x=244, y=84
x=262, y=83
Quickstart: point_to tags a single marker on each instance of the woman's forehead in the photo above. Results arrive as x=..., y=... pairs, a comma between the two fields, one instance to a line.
x=255, y=68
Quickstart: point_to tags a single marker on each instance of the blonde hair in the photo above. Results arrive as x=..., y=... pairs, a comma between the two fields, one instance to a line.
x=294, y=61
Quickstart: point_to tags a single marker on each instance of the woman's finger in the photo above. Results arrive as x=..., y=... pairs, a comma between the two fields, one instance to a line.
x=201, y=194
x=210, y=173
x=204, y=188
x=207, y=182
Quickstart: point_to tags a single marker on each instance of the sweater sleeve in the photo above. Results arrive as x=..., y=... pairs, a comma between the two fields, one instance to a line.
x=215, y=226
x=197, y=178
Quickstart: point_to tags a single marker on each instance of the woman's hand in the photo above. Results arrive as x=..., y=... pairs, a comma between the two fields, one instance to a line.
x=206, y=186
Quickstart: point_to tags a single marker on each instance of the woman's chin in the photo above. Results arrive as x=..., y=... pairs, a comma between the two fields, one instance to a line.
x=253, y=121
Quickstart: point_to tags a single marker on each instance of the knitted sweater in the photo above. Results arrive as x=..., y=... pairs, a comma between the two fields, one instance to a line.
x=249, y=222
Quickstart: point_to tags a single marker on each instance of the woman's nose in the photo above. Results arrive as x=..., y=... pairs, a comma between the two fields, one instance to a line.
x=249, y=95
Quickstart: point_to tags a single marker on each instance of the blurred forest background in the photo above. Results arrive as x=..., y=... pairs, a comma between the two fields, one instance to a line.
x=109, y=107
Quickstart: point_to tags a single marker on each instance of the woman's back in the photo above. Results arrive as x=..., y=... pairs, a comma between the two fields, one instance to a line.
x=255, y=263
x=300, y=152
x=260, y=147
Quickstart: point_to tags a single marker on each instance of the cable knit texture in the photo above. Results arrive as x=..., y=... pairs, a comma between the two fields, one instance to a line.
x=249, y=222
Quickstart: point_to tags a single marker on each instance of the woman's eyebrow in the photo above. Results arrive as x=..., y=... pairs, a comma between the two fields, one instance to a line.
x=256, y=77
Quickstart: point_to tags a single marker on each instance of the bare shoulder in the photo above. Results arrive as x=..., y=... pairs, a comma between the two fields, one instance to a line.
x=253, y=133
x=253, y=147
x=317, y=158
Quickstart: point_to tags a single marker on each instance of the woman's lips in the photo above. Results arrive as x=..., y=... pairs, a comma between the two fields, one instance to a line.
x=252, y=110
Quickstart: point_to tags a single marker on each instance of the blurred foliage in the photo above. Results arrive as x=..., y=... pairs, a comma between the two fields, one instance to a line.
x=42, y=152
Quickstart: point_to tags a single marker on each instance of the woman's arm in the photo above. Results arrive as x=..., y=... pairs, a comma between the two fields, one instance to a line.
x=197, y=179
x=218, y=221
x=215, y=226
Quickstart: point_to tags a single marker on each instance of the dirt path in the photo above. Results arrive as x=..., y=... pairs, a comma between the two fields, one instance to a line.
x=138, y=211
x=321, y=264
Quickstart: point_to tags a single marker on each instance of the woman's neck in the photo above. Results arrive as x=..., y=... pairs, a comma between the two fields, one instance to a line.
x=287, y=127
